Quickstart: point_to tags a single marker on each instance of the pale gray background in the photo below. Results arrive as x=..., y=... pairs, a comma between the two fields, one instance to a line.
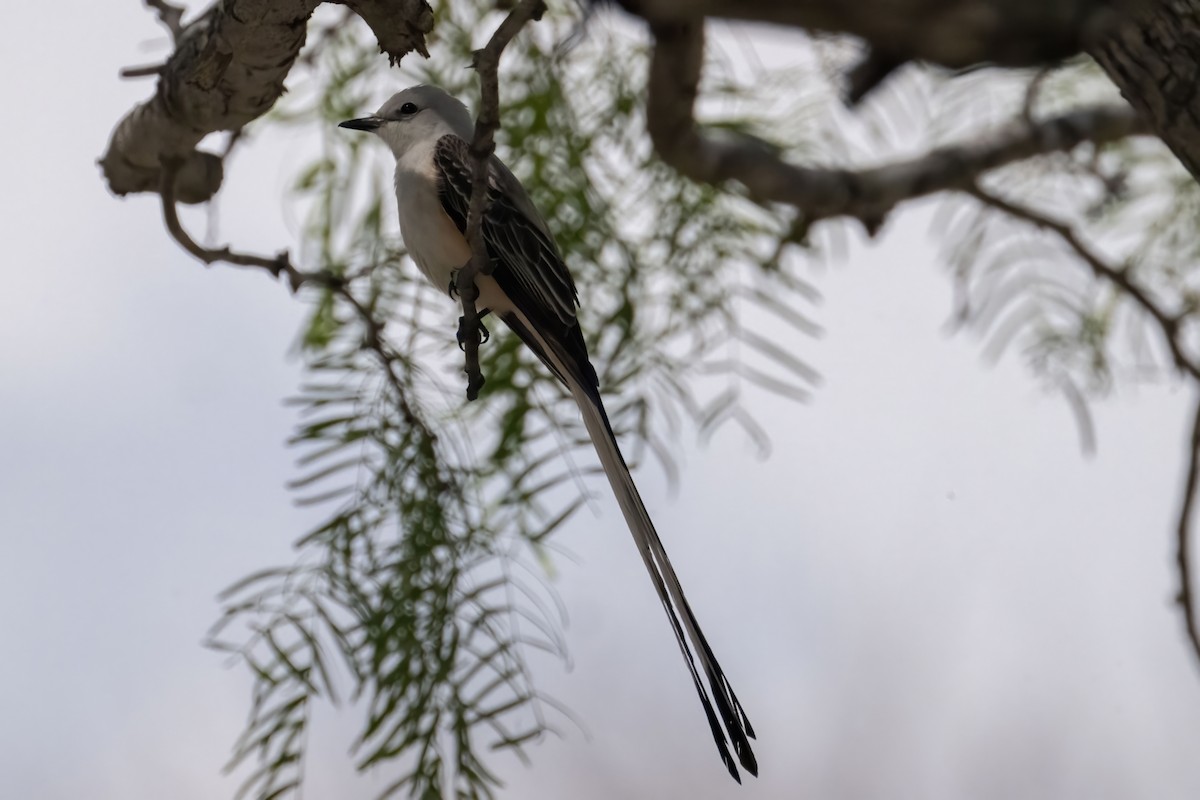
x=925, y=593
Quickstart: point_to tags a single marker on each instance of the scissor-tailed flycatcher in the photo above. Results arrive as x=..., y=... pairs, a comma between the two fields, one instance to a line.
x=531, y=290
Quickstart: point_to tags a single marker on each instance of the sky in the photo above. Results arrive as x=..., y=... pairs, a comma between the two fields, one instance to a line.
x=926, y=591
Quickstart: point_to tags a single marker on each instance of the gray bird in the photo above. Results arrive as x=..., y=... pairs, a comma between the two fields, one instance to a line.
x=532, y=292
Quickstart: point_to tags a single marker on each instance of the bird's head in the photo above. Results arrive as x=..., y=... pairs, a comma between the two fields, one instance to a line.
x=418, y=114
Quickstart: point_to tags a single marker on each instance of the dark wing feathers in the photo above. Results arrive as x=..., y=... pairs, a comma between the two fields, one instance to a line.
x=525, y=259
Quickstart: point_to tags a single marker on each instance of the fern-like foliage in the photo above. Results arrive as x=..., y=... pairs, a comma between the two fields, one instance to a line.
x=1026, y=289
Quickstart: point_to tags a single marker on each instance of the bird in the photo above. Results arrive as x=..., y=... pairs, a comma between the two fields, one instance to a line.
x=531, y=291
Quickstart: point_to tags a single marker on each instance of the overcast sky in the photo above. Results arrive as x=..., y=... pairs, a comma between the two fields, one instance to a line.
x=926, y=592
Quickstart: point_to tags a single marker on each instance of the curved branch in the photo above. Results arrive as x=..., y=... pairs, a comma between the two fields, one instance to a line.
x=954, y=33
x=867, y=195
x=1149, y=48
x=1171, y=324
x=281, y=264
x=373, y=338
x=228, y=69
x=1186, y=596
x=1171, y=327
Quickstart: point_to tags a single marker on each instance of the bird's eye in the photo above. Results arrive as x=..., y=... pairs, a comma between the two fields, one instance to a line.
x=408, y=108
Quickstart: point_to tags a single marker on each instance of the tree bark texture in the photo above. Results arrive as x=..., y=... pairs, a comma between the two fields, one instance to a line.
x=1153, y=56
x=228, y=69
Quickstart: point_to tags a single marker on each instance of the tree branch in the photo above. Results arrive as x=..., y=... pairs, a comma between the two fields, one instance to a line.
x=1149, y=48
x=867, y=195
x=1171, y=327
x=228, y=68
x=1151, y=57
x=1169, y=323
x=483, y=144
x=281, y=264
x=1186, y=597
x=954, y=33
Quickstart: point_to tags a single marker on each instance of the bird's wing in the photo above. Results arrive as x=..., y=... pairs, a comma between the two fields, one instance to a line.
x=525, y=259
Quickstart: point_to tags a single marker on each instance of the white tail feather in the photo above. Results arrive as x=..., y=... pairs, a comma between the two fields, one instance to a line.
x=666, y=582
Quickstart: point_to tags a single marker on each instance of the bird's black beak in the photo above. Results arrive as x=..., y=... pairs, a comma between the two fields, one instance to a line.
x=363, y=124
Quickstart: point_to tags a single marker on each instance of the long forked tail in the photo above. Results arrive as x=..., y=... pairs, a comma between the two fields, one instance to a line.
x=687, y=630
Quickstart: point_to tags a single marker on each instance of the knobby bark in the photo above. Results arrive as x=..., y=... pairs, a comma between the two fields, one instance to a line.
x=227, y=70
x=1153, y=56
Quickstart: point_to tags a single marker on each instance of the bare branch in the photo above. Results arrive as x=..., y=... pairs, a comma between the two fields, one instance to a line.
x=373, y=338
x=227, y=70
x=279, y=265
x=147, y=71
x=1169, y=323
x=867, y=195
x=1186, y=597
x=483, y=144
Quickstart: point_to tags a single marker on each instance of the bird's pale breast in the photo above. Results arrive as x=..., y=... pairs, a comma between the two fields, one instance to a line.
x=431, y=237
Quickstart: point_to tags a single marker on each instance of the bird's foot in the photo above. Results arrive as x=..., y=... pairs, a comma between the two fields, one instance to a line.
x=481, y=333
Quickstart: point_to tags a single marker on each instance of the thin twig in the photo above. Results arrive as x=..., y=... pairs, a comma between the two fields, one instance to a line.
x=279, y=265
x=1186, y=597
x=374, y=341
x=1169, y=323
x=147, y=71
x=171, y=16
x=373, y=338
x=483, y=144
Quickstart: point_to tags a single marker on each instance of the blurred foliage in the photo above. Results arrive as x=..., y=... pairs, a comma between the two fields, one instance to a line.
x=425, y=590
x=1025, y=289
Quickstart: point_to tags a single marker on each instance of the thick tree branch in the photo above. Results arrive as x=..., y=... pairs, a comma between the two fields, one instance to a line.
x=483, y=144
x=1153, y=56
x=1149, y=48
x=1187, y=596
x=228, y=69
x=867, y=195
x=954, y=33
